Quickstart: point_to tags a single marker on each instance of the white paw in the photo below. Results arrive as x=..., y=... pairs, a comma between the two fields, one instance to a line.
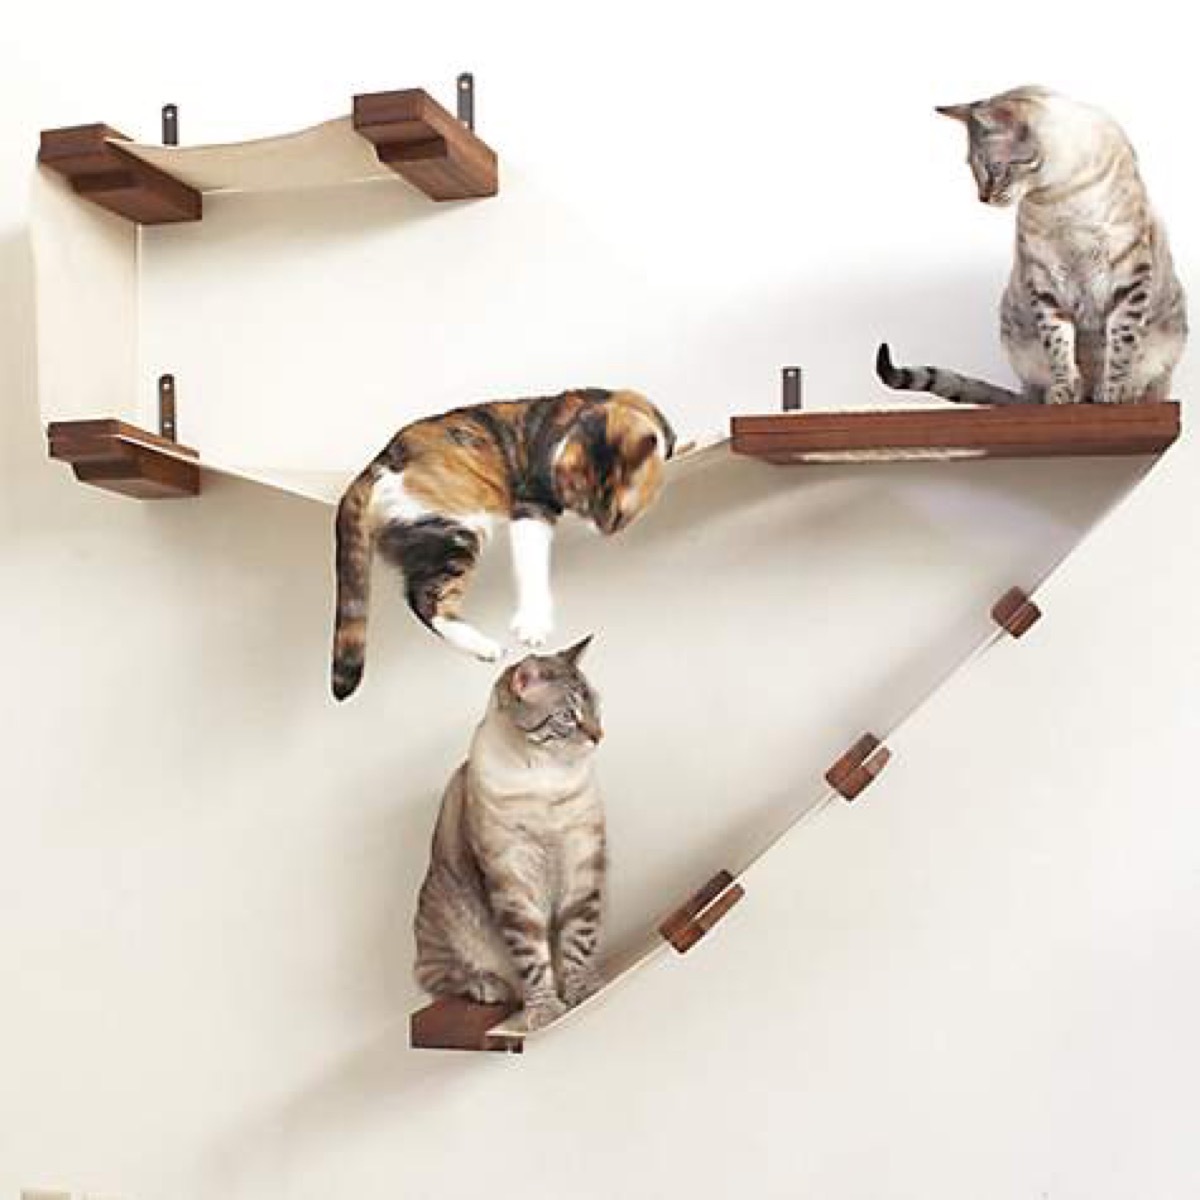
x=489, y=651
x=533, y=626
x=1062, y=393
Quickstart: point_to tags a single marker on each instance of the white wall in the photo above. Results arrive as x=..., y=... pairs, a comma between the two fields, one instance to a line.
x=979, y=981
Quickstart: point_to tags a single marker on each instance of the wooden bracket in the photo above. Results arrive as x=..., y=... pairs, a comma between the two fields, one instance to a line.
x=100, y=171
x=858, y=767
x=451, y=1023
x=701, y=911
x=122, y=458
x=793, y=383
x=419, y=140
x=1015, y=613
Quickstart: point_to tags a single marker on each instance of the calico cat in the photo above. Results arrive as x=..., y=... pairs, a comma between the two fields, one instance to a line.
x=428, y=501
x=510, y=908
x=1093, y=310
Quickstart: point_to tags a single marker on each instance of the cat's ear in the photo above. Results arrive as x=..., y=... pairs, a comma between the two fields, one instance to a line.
x=525, y=677
x=645, y=446
x=574, y=653
x=959, y=112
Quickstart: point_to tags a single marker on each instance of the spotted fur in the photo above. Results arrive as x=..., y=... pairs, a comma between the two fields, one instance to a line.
x=1093, y=310
x=510, y=909
x=428, y=501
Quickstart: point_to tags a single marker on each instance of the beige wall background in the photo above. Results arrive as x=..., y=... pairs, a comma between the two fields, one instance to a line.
x=979, y=981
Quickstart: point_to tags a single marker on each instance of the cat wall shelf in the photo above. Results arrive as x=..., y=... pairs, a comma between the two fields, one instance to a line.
x=452, y=1024
x=90, y=174
x=100, y=390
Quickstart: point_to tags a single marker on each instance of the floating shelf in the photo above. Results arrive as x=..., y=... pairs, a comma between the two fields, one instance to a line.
x=1017, y=431
x=406, y=133
x=121, y=458
x=451, y=1024
x=91, y=159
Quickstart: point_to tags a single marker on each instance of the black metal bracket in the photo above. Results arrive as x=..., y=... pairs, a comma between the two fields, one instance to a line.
x=793, y=381
x=466, y=100
x=170, y=125
x=166, y=407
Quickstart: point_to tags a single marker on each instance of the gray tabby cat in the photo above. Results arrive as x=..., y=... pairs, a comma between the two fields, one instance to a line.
x=1093, y=310
x=510, y=907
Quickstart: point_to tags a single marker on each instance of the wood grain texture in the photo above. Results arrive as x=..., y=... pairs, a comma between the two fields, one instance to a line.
x=1018, y=431
x=451, y=1023
x=103, y=173
x=419, y=140
x=858, y=767
x=122, y=458
x=1015, y=613
x=687, y=924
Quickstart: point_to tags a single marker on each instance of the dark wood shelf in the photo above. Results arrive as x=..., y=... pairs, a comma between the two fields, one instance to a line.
x=1017, y=431
x=105, y=174
x=417, y=138
x=453, y=1024
x=122, y=458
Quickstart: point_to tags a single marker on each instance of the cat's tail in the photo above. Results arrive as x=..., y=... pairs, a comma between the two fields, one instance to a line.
x=353, y=566
x=962, y=389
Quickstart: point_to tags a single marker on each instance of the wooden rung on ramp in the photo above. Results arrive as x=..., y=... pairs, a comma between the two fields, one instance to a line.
x=701, y=911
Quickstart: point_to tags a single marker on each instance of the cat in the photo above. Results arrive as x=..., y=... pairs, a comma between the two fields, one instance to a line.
x=510, y=909
x=428, y=501
x=1093, y=310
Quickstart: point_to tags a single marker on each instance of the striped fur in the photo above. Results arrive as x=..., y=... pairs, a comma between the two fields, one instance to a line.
x=510, y=909
x=1093, y=310
x=428, y=501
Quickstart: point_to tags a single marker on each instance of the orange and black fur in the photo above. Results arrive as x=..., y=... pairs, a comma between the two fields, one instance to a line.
x=428, y=501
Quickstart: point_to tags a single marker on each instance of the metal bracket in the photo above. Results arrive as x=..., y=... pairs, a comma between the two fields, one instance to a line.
x=466, y=100
x=700, y=912
x=856, y=770
x=166, y=407
x=793, y=383
x=170, y=125
x=1015, y=613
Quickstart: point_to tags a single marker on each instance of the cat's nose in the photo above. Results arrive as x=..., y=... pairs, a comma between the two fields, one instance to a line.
x=591, y=729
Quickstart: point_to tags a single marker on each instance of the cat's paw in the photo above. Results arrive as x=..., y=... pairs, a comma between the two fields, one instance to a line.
x=488, y=988
x=579, y=985
x=1062, y=393
x=1114, y=393
x=489, y=651
x=541, y=1010
x=532, y=626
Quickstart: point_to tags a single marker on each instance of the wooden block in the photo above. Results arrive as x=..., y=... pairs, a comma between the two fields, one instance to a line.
x=1015, y=612
x=701, y=911
x=122, y=458
x=451, y=1023
x=858, y=767
x=419, y=140
x=1015, y=431
x=107, y=175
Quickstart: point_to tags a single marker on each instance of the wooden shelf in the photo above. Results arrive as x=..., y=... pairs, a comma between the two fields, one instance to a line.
x=100, y=171
x=1018, y=431
x=452, y=1024
x=405, y=132
x=122, y=458
x=417, y=138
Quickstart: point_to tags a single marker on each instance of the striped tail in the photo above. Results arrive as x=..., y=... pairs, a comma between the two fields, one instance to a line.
x=353, y=565
x=950, y=386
